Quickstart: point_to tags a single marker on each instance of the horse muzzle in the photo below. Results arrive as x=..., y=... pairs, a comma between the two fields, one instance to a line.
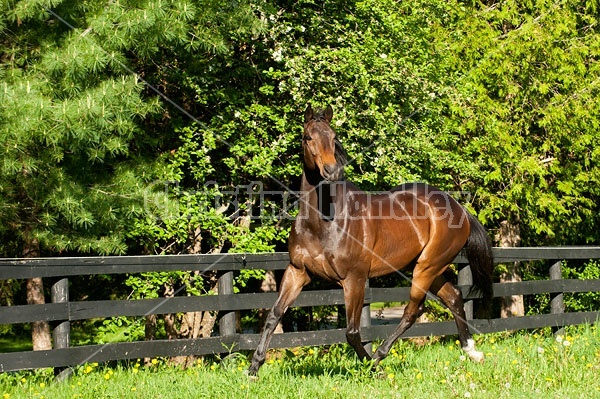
x=331, y=172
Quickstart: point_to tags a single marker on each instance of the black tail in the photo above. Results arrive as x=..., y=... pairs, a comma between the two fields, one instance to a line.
x=481, y=260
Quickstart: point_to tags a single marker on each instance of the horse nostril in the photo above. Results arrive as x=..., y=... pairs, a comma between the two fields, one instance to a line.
x=330, y=169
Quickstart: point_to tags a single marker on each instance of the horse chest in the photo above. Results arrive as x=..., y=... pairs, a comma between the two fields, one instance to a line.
x=317, y=259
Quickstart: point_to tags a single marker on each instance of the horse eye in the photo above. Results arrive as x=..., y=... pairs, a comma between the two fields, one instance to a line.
x=307, y=138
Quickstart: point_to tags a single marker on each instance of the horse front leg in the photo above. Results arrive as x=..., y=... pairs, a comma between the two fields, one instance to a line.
x=354, y=297
x=294, y=279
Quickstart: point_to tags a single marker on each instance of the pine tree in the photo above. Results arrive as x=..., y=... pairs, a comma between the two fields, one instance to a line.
x=80, y=130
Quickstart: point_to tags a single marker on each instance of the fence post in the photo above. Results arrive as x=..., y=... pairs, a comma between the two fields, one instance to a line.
x=61, y=335
x=557, y=298
x=227, y=321
x=365, y=316
x=465, y=278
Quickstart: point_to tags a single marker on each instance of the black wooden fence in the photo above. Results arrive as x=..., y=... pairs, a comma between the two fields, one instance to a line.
x=61, y=311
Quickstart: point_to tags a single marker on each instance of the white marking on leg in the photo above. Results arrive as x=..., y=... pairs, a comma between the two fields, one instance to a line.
x=473, y=353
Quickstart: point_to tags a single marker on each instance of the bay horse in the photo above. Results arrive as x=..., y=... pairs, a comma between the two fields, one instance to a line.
x=345, y=235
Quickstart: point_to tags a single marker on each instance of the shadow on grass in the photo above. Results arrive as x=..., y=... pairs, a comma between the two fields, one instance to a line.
x=339, y=360
x=15, y=344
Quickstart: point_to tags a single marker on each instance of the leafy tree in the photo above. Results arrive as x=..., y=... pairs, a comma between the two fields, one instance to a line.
x=525, y=111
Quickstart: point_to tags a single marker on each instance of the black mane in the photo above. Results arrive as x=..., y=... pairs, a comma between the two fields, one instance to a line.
x=340, y=155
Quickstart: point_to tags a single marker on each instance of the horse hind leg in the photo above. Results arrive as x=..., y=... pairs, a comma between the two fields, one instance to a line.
x=413, y=310
x=452, y=298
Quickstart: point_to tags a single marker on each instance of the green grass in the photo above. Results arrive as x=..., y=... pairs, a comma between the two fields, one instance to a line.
x=384, y=305
x=15, y=344
x=521, y=365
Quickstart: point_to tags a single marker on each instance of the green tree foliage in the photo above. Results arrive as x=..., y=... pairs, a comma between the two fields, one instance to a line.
x=148, y=126
x=79, y=128
x=525, y=112
x=83, y=134
x=493, y=99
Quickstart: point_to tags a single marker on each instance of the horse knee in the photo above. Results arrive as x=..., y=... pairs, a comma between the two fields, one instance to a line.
x=352, y=335
x=412, y=314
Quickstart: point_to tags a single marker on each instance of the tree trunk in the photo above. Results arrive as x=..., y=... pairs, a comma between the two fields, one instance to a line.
x=510, y=236
x=150, y=327
x=149, y=333
x=191, y=324
x=40, y=330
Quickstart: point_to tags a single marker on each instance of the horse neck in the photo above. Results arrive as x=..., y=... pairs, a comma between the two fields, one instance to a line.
x=320, y=201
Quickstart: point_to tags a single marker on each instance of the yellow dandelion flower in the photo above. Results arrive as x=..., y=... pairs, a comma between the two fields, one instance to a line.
x=391, y=376
x=6, y=396
x=42, y=385
x=133, y=389
x=154, y=361
x=107, y=376
x=419, y=376
x=23, y=380
x=134, y=371
x=95, y=364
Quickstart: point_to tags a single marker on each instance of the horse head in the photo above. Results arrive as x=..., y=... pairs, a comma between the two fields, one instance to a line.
x=322, y=150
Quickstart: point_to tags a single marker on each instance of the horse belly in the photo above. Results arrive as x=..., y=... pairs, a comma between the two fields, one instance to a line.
x=397, y=245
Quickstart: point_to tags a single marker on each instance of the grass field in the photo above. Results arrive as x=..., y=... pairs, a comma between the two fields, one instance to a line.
x=519, y=365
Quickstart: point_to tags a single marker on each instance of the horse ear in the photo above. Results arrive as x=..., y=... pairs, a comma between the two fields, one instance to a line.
x=328, y=114
x=308, y=114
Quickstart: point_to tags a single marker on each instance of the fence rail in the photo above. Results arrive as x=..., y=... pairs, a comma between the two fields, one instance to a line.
x=62, y=311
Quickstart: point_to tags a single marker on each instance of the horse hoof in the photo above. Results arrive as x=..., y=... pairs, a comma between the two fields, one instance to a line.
x=476, y=356
x=252, y=375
